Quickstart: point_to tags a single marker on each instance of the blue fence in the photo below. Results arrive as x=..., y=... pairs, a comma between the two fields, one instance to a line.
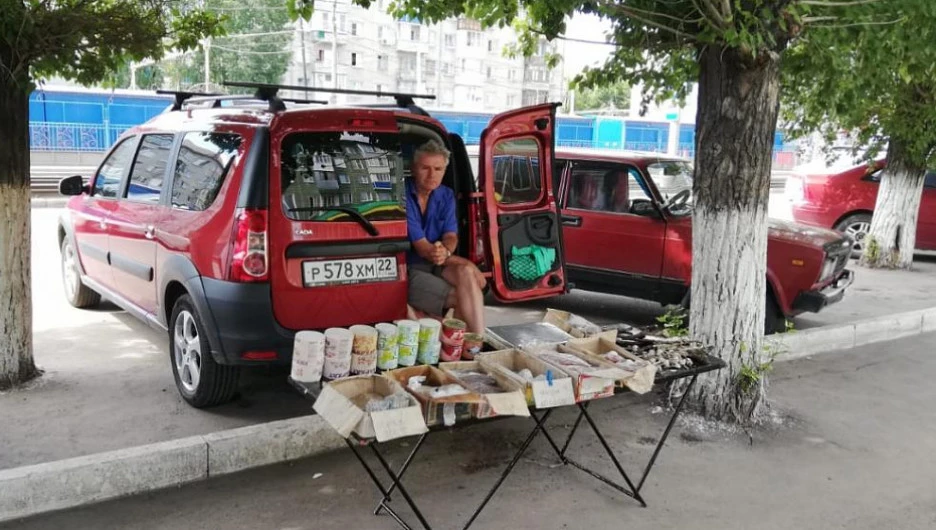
x=86, y=120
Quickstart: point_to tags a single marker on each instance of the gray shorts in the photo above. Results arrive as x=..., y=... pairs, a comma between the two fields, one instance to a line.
x=428, y=291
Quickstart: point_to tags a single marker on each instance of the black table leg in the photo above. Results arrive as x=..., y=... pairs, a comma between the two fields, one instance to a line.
x=526, y=443
x=377, y=483
x=542, y=428
x=669, y=427
x=575, y=427
x=400, y=473
x=607, y=448
x=399, y=486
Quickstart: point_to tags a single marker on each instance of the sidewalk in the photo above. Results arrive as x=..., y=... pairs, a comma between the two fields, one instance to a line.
x=854, y=451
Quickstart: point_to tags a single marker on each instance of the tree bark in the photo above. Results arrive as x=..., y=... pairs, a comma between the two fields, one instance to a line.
x=16, y=357
x=735, y=126
x=892, y=239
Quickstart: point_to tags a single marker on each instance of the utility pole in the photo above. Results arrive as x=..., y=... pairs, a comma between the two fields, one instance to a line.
x=334, y=98
x=305, y=68
x=438, y=74
x=207, y=46
x=133, y=84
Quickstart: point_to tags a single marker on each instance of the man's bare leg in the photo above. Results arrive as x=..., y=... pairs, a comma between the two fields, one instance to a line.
x=469, y=302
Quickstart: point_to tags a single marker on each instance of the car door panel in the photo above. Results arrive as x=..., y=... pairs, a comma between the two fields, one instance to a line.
x=523, y=237
x=133, y=231
x=92, y=216
x=926, y=222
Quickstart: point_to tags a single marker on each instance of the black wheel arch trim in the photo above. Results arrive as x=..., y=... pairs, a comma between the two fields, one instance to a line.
x=178, y=269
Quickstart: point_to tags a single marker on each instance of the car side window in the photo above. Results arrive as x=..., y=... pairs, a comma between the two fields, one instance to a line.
x=149, y=168
x=930, y=179
x=605, y=188
x=203, y=162
x=107, y=181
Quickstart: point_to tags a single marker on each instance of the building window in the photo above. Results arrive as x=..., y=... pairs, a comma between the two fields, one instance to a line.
x=512, y=100
x=341, y=22
x=414, y=32
x=512, y=75
x=463, y=65
x=353, y=59
x=321, y=56
x=449, y=40
x=382, y=63
x=324, y=19
x=354, y=28
x=474, y=38
x=379, y=32
x=488, y=72
x=490, y=45
x=379, y=88
x=448, y=68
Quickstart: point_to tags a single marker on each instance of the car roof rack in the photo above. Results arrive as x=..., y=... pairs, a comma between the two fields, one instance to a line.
x=275, y=102
x=403, y=100
x=183, y=96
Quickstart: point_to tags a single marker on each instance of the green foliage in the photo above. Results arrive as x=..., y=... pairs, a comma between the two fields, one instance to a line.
x=615, y=95
x=87, y=40
x=674, y=323
x=875, y=76
x=751, y=374
x=261, y=59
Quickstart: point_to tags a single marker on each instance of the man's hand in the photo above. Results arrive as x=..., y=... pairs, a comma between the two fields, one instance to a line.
x=439, y=254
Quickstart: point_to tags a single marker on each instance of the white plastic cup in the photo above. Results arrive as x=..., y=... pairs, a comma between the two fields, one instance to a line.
x=429, y=329
x=387, y=347
x=338, y=344
x=408, y=331
x=308, y=358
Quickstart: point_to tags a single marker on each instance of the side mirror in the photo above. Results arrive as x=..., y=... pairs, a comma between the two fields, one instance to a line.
x=73, y=185
x=644, y=208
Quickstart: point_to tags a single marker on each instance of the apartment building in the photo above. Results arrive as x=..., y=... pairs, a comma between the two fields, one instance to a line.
x=460, y=63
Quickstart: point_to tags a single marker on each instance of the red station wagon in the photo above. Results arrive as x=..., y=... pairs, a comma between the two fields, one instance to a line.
x=232, y=223
x=845, y=201
x=627, y=230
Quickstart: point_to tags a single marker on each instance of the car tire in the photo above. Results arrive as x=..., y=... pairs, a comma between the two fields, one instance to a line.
x=774, y=320
x=201, y=381
x=76, y=292
x=856, y=226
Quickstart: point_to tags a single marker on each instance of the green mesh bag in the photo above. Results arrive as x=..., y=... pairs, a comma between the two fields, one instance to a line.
x=531, y=263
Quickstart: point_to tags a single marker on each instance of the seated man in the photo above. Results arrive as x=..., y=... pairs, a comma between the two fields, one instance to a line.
x=438, y=280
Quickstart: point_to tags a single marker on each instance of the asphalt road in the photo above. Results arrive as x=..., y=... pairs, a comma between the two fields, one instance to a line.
x=851, y=447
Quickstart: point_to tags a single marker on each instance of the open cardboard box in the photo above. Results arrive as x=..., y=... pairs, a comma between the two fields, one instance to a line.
x=541, y=394
x=341, y=404
x=561, y=319
x=462, y=406
x=510, y=401
x=597, y=383
x=639, y=380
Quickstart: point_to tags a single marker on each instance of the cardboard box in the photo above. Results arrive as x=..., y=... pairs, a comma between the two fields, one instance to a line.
x=341, y=404
x=434, y=409
x=639, y=380
x=510, y=401
x=561, y=319
x=541, y=394
x=597, y=383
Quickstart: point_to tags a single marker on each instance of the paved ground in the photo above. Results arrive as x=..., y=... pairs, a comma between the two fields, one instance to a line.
x=854, y=451
x=108, y=384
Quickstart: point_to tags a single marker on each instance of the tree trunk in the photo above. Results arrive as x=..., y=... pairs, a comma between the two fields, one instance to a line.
x=735, y=126
x=16, y=358
x=892, y=238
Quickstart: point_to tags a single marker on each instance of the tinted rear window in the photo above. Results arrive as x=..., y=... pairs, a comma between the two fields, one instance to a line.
x=364, y=172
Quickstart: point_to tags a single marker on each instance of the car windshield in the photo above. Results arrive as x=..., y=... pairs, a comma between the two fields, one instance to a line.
x=343, y=176
x=672, y=177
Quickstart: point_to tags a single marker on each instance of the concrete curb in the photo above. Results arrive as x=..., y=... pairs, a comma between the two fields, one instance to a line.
x=41, y=488
x=805, y=343
x=49, y=202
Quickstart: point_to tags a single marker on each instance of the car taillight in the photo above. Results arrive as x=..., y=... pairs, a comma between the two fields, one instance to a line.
x=249, y=260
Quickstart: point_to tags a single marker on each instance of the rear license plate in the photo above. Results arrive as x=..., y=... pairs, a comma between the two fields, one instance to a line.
x=345, y=271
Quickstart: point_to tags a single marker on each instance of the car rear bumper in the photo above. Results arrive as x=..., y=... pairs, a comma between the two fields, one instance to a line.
x=242, y=316
x=815, y=301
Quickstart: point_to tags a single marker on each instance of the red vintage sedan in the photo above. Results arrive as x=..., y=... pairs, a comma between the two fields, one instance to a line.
x=845, y=200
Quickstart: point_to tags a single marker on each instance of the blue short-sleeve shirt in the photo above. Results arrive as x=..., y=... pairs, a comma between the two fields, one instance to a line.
x=438, y=220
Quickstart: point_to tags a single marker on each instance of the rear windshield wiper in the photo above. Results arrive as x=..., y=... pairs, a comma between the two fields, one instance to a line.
x=354, y=214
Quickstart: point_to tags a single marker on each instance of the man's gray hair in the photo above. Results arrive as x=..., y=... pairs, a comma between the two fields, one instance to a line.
x=432, y=147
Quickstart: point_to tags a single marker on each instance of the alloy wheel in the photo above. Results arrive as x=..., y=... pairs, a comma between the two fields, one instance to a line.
x=188, y=354
x=858, y=232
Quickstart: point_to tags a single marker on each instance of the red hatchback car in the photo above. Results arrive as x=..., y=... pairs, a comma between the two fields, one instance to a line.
x=845, y=201
x=232, y=223
x=627, y=230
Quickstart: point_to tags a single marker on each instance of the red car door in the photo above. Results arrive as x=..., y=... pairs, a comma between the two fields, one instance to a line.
x=926, y=224
x=133, y=230
x=523, y=235
x=90, y=216
x=613, y=232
